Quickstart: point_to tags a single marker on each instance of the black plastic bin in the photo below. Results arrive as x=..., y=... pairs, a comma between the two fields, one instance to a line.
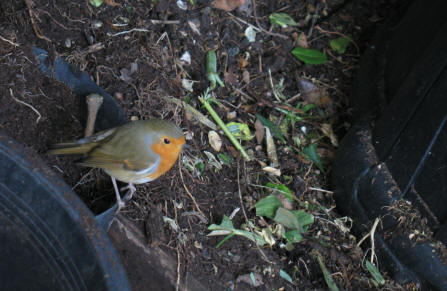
x=397, y=149
x=49, y=240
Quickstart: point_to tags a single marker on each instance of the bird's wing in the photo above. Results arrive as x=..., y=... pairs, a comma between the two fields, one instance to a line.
x=98, y=160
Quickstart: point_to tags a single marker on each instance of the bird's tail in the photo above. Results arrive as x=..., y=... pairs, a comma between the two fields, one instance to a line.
x=70, y=148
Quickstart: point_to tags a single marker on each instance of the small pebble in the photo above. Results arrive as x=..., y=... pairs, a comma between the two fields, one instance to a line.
x=231, y=115
x=68, y=43
x=96, y=24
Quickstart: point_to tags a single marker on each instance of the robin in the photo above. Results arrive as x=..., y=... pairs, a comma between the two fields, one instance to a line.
x=135, y=153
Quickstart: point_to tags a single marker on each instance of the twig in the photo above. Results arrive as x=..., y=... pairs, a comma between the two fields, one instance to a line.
x=246, y=217
x=314, y=20
x=29, y=5
x=244, y=22
x=9, y=41
x=177, y=284
x=320, y=190
x=94, y=102
x=259, y=25
x=273, y=87
x=27, y=105
x=187, y=191
x=371, y=235
x=129, y=31
x=156, y=21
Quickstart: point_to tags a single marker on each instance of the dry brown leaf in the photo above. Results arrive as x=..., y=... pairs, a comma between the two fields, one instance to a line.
x=313, y=94
x=242, y=62
x=230, y=78
x=271, y=148
x=228, y=5
x=273, y=171
x=246, y=76
x=326, y=154
x=112, y=3
x=302, y=40
x=326, y=128
x=215, y=140
x=259, y=133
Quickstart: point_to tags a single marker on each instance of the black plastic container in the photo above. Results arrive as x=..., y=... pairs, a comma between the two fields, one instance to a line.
x=397, y=148
x=49, y=240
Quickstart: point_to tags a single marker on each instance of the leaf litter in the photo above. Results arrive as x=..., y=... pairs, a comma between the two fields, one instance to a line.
x=267, y=242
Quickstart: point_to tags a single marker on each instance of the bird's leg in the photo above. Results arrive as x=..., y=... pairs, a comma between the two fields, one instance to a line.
x=120, y=202
x=129, y=194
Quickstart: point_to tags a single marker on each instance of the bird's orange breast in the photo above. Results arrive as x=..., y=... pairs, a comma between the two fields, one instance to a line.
x=168, y=154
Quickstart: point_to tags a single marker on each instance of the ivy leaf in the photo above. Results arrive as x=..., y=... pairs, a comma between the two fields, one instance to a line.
x=310, y=152
x=340, y=44
x=309, y=56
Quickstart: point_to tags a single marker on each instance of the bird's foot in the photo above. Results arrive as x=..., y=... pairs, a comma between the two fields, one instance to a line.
x=129, y=194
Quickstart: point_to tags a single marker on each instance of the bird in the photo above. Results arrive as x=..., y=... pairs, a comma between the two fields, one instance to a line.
x=136, y=152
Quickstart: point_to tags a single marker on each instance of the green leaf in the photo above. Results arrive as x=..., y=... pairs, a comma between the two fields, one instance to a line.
x=226, y=228
x=211, y=70
x=310, y=152
x=282, y=19
x=293, y=236
x=304, y=218
x=287, y=218
x=308, y=107
x=267, y=206
x=285, y=276
x=225, y=159
x=340, y=44
x=309, y=56
x=282, y=190
x=375, y=273
x=253, y=279
x=273, y=128
x=240, y=130
x=201, y=167
x=96, y=3
x=327, y=276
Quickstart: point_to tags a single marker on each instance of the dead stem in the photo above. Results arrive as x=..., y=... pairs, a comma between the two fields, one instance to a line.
x=259, y=25
x=9, y=41
x=177, y=284
x=29, y=5
x=27, y=105
x=246, y=217
x=189, y=193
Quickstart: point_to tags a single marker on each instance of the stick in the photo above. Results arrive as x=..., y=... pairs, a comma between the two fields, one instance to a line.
x=94, y=102
x=27, y=105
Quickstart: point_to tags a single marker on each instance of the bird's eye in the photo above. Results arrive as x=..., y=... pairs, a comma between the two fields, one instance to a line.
x=166, y=141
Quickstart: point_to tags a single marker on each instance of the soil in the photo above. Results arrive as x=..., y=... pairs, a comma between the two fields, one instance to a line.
x=38, y=111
